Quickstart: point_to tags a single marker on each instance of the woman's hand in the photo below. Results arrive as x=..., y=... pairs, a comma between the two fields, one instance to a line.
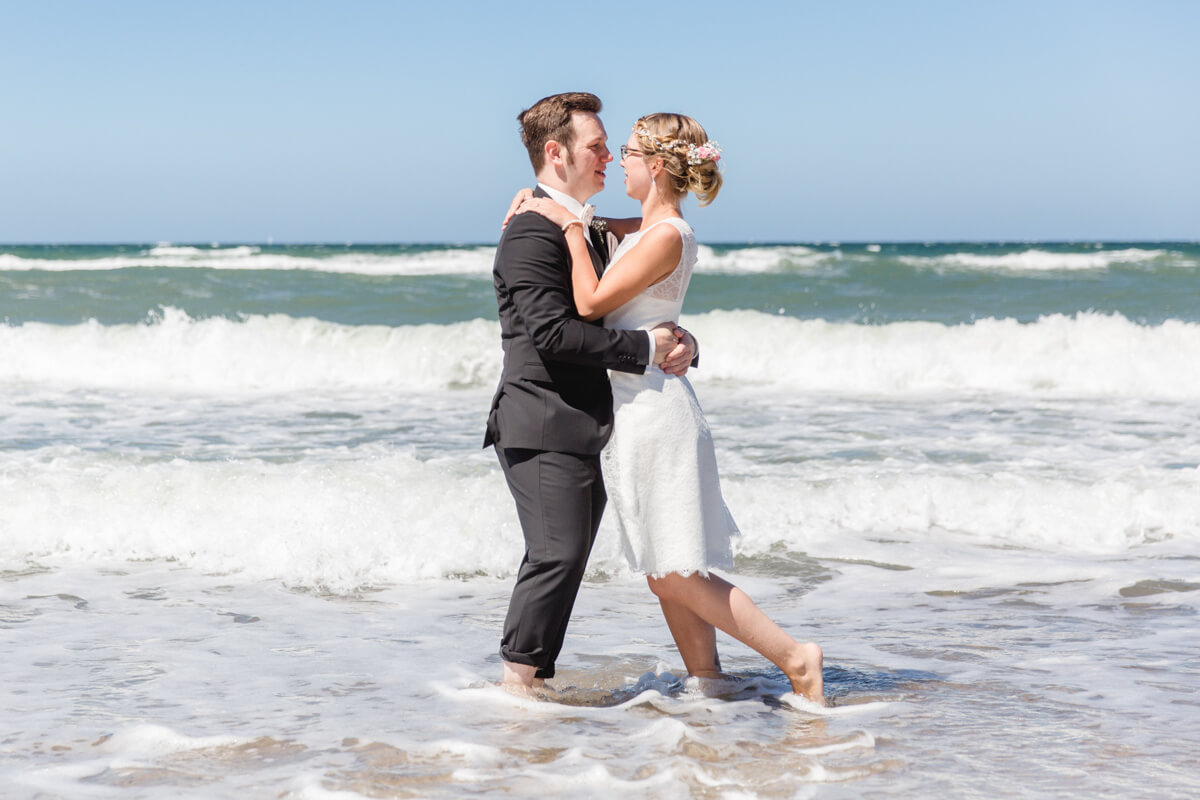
x=547, y=208
x=521, y=196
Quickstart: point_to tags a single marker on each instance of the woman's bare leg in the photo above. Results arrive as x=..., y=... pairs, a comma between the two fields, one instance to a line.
x=695, y=639
x=720, y=603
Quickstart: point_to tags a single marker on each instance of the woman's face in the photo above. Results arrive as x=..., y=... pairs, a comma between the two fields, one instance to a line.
x=637, y=172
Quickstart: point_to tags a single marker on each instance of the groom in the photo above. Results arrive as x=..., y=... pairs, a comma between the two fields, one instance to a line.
x=552, y=412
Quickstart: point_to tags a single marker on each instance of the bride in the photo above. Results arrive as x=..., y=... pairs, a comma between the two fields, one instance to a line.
x=659, y=466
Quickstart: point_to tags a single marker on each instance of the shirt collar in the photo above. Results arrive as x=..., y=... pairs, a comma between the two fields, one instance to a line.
x=563, y=199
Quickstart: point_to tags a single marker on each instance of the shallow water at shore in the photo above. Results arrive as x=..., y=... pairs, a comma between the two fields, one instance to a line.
x=158, y=681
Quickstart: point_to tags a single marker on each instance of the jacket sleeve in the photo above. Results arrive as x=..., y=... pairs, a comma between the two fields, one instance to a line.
x=530, y=261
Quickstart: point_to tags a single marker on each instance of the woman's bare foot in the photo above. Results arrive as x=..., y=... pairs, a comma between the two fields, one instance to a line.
x=804, y=672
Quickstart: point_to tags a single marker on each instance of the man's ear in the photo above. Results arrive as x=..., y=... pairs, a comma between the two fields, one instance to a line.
x=554, y=152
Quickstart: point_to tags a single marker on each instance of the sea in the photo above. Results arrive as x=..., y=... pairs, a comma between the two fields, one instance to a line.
x=251, y=545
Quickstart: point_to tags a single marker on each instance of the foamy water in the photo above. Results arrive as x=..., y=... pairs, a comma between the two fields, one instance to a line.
x=250, y=554
x=311, y=489
x=148, y=681
x=1037, y=260
x=440, y=261
x=477, y=259
x=1093, y=355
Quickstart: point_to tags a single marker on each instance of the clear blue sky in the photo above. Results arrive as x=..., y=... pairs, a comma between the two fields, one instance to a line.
x=395, y=122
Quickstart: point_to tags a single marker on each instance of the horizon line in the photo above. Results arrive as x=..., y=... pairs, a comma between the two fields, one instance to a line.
x=451, y=243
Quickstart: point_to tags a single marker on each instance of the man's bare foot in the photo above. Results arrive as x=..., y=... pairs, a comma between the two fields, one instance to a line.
x=712, y=674
x=539, y=692
x=713, y=683
x=804, y=672
x=521, y=676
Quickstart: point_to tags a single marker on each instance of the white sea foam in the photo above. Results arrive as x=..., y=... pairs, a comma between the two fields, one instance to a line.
x=273, y=353
x=750, y=260
x=477, y=260
x=334, y=697
x=208, y=253
x=457, y=261
x=157, y=740
x=372, y=516
x=832, y=513
x=466, y=260
x=1087, y=355
x=1035, y=260
x=1092, y=355
x=339, y=523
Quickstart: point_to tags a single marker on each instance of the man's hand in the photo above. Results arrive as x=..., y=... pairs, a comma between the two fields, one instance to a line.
x=665, y=340
x=680, y=358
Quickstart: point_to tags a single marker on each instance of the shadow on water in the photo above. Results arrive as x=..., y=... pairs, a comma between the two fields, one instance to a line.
x=843, y=687
x=849, y=686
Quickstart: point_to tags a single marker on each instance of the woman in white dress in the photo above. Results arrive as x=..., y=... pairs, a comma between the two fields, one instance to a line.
x=659, y=466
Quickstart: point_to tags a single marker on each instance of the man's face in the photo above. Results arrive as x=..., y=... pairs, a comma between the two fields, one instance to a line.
x=588, y=156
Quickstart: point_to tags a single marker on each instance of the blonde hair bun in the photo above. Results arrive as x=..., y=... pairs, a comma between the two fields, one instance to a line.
x=688, y=155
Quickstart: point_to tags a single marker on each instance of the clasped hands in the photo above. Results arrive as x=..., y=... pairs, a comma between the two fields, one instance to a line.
x=674, y=348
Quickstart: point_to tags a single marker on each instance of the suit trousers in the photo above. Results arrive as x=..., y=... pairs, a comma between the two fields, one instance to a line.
x=560, y=498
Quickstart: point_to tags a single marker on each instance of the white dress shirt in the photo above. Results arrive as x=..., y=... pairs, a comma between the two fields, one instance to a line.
x=575, y=207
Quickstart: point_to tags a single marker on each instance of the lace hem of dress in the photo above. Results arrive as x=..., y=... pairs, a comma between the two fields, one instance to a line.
x=687, y=573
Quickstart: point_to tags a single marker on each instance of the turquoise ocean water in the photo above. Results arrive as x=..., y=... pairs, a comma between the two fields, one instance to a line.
x=250, y=545
x=949, y=283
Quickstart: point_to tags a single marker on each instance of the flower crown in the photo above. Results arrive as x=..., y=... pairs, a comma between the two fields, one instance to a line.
x=696, y=153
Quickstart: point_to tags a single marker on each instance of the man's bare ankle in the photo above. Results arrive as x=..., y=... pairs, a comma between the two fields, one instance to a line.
x=522, y=675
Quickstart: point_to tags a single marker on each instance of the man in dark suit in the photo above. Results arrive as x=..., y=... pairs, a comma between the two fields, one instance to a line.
x=552, y=412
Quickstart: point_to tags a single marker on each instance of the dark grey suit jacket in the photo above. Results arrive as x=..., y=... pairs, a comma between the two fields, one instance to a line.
x=554, y=392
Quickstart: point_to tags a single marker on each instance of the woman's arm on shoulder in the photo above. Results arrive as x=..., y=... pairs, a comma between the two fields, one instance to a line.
x=529, y=269
x=651, y=259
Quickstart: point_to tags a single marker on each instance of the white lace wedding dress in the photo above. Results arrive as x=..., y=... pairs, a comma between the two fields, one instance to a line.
x=659, y=466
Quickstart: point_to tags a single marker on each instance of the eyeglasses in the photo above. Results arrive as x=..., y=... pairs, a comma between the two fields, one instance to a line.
x=627, y=151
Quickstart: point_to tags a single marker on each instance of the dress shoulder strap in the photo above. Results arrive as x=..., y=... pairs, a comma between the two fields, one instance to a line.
x=678, y=223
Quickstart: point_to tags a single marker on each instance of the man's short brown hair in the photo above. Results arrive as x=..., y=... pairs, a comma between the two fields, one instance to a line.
x=549, y=119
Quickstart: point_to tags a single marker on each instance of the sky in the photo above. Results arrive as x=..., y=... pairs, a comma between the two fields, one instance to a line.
x=368, y=121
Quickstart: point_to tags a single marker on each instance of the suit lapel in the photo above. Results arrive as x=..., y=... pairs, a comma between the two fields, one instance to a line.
x=600, y=245
x=599, y=250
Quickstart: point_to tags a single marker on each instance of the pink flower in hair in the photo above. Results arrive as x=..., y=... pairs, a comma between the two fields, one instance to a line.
x=709, y=151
